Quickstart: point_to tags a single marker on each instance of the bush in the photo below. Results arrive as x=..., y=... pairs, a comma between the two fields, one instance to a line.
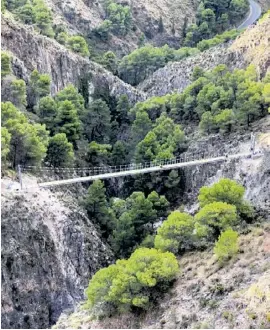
x=131, y=283
x=28, y=142
x=78, y=45
x=226, y=190
x=226, y=246
x=26, y=14
x=5, y=64
x=60, y=151
x=218, y=216
x=176, y=233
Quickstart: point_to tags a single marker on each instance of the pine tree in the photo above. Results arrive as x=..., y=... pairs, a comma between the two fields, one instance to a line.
x=68, y=121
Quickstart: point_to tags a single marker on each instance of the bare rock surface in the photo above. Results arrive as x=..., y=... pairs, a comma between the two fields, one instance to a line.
x=50, y=249
x=34, y=51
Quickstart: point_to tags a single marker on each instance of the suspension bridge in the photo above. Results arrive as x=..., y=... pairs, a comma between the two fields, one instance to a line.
x=80, y=175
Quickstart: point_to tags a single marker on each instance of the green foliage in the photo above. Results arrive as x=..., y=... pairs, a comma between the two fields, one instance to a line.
x=213, y=18
x=140, y=127
x=122, y=110
x=43, y=18
x=12, y=5
x=223, y=100
x=225, y=190
x=217, y=216
x=119, y=154
x=96, y=205
x=60, y=151
x=98, y=154
x=135, y=217
x=18, y=93
x=3, y=6
x=28, y=143
x=131, y=282
x=165, y=139
x=148, y=242
x=5, y=64
x=139, y=64
x=68, y=121
x=110, y=62
x=78, y=45
x=47, y=112
x=176, y=233
x=160, y=203
x=103, y=30
x=62, y=38
x=120, y=18
x=218, y=39
x=26, y=14
x=227, y=246
x=118, y=21
x=70, y=93
x=5, y=144
x=40, y=85
x=97, y=122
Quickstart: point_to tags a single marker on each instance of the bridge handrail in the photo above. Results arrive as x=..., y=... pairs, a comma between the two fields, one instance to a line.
x=186, y=157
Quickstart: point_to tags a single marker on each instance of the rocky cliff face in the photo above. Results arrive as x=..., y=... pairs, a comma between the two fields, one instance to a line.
x=176, y=76
x=252, y=173
x=50, y=249
x=251, y=47
x=34, y=51
x=82, y=16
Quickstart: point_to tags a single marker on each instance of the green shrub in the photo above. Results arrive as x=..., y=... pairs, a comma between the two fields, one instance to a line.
x=227, y=245
x=60, y=151
x=26, y=14
x=5, y=144
x=218, y=216
x=103, y=30
x=5, y=64
x=131, y=283
x=62, y=38
x=225, y=190
x=78, y=45
x=28, y=142
x=175, y=233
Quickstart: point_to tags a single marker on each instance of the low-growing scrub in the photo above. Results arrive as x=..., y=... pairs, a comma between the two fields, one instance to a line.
x=227, y=245
x=131, y=283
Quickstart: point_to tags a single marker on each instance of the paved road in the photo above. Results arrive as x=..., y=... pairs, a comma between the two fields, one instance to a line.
x=254, y=13
x=140, y=171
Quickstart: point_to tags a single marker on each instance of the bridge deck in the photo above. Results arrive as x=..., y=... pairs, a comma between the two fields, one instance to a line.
x=141, y=171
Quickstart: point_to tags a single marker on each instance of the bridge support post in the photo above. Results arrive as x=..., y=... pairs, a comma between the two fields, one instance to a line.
x=20, y=175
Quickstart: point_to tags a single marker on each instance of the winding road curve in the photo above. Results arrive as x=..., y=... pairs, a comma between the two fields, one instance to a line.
x=255, y=11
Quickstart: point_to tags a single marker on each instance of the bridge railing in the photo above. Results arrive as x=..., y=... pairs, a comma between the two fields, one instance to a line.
x=97, y=170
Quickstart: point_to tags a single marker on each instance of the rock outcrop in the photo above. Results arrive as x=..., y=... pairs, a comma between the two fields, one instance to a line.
x=50, y=250
x=176, y=76
x=251, y=47
x=34, y=51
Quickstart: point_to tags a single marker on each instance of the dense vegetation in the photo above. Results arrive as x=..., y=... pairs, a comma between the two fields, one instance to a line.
x=140, y=63
x=137, y=282
x=221, y=100
x=213, y=18
x=117, y=21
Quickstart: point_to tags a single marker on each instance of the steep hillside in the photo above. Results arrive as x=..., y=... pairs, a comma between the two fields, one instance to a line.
x=206, y=295
x=49, y=248
x=83, y=16
x=34, y=51
x=250, y=47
